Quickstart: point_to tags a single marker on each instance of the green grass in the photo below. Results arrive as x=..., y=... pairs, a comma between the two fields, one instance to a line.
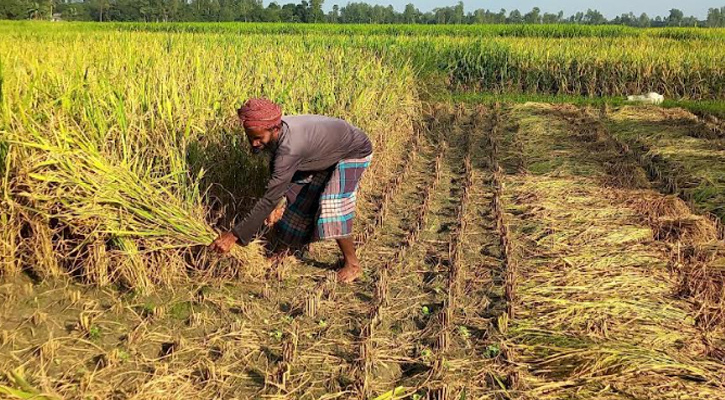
x=699, y=107
x=181, y=310
x=491, y=98
x=492, y=30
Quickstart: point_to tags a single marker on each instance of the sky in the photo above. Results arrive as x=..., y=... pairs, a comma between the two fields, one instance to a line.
x=610, y=8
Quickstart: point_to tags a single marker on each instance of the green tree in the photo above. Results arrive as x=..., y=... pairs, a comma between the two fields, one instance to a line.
x=479, y=16
x=515, y=17
x=675, y=18
x=301, y=11
x=411, y=14
x=577, y=18
x=14, y=9
x=594, y=17
x=287, y=13
x=644, y=21
x=690, y=21
x=715, y=17
x=533, y=16
x=99, y=9
x=311, y=11
x=457, y=12
x=334, y=15
x=442, y=15
x=501, y=16
x=549, y=18
x=315, y=13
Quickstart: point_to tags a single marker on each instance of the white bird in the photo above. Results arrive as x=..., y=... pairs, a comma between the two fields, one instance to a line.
x=651, y=98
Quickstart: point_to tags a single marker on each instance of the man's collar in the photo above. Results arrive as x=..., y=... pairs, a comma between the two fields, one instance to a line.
x=283, y=131
x=282, y=135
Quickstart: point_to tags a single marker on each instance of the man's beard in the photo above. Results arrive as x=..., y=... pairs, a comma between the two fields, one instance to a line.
x=269, y=148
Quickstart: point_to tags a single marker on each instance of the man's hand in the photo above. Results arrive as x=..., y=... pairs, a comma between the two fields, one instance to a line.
x=223, y=243
x=275, y=215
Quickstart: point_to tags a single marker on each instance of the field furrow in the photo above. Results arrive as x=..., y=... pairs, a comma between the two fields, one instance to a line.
x=395, y=244
x=468, y=349
x=409, y=336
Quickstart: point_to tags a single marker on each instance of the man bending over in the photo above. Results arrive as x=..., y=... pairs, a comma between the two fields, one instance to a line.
x=317, y=163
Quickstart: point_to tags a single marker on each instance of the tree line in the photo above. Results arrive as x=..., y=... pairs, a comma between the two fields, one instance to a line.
x=311, y=12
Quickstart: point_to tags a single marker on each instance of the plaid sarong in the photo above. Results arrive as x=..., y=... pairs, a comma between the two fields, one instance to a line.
x=324, y=206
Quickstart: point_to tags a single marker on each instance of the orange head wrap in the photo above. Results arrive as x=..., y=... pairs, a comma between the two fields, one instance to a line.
x=260, y=113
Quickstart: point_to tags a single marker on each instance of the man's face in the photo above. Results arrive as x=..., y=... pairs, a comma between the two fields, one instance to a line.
x=261, y=139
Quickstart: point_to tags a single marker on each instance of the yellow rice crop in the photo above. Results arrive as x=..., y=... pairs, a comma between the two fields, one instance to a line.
x=115, y=140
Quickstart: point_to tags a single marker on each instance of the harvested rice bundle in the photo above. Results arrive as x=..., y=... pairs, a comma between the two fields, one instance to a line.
x=137, y=212
x=653, y=205
x=690, y=229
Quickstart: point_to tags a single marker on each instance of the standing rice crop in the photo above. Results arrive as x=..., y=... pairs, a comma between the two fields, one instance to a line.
x=118, y=153
x=589, y=66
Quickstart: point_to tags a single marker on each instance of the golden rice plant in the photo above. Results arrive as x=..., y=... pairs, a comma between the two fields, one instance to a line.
x=119, y=154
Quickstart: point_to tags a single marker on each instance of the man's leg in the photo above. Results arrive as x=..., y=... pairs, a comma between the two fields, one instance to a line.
x=351, y=270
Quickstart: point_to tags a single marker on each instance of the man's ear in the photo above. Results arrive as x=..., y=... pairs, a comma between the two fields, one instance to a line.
x=276, y=130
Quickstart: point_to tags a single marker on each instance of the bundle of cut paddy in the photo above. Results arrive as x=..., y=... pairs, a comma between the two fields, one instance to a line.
x=110, y=218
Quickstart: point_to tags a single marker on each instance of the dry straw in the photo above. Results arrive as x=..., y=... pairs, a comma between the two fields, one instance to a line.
x=593, y=268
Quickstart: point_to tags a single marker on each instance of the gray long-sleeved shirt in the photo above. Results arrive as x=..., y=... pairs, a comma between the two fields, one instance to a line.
x=306, y=143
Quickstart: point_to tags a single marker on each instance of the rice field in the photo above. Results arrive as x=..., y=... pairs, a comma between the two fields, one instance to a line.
x=512, y=249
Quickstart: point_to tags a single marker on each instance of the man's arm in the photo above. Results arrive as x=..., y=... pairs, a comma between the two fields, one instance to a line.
x=284, y=168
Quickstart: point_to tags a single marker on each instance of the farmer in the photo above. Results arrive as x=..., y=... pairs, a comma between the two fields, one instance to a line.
x=317, y=163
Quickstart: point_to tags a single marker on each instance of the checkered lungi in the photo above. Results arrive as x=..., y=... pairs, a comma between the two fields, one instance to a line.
x=324, y=206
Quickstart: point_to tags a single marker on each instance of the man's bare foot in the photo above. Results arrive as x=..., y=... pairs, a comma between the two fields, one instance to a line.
x=349, y=273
